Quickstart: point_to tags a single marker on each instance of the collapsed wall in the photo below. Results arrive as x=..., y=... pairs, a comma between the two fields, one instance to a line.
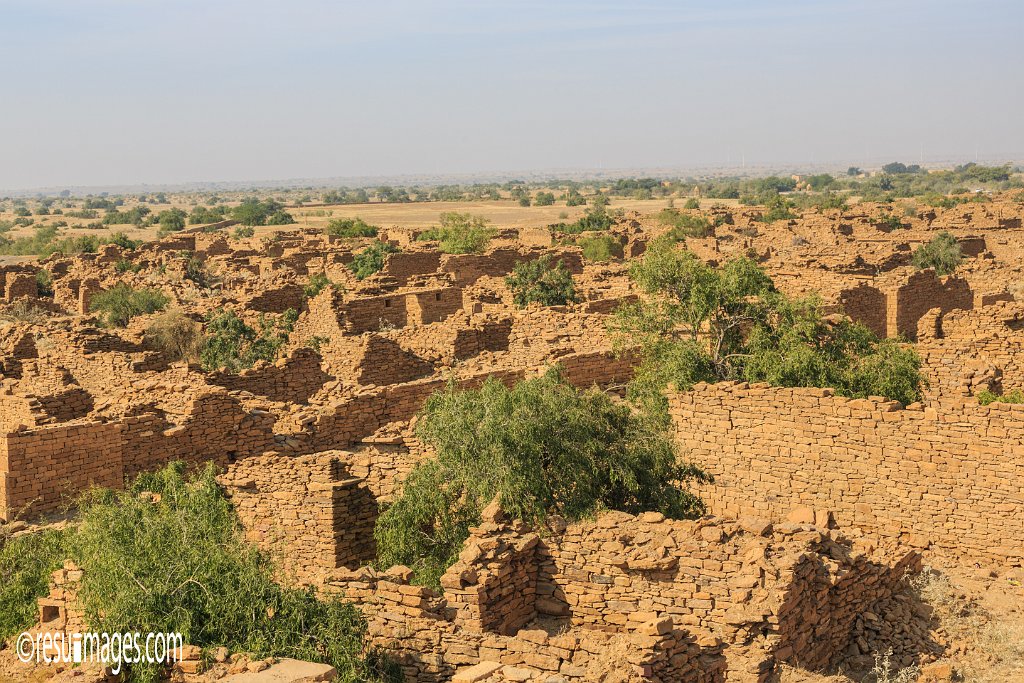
x=649, y=598
x=948, y=477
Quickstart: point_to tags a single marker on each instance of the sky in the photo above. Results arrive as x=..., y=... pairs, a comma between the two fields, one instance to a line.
x=107, y=92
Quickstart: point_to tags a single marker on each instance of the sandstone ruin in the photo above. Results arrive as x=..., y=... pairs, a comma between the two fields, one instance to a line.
x=820, y=507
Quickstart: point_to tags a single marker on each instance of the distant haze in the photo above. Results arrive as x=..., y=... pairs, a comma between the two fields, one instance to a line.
x=126, y=92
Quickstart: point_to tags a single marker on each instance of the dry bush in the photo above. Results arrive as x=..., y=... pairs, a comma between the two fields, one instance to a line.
x=175, y=335
x=24, y=311
x=884, y=671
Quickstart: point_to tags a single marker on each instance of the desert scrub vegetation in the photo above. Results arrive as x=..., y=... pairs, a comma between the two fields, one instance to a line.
x=26, y=563
x=175, y=335
x=47, y=240
x=119, y=304
x=318, y=282
x=594, y=219
x=777, y=209
x=987, y=397
x=543, y=280
x=168, y=555
x=544, y=198
x=888, y=222
x=684, y=225
x=371, y=260
x=255, y=212
x=350, y=227
x=171, y=220
x=600, y=248
x=203, y=214
x=44, y=283
x=540, y=448
x=233, y=345
x=943, y=253
x=459, y=233
x=699, y=323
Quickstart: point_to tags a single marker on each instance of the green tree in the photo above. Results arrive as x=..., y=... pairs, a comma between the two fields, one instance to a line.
x=943, y=253
x=350, y=227
x=540, y=448
x=255, y=212
x=544, y=198
x=704, y=324
x=543, y=280
x=171, y=220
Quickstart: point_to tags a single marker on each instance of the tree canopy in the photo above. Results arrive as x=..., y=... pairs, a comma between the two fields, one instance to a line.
x=701, y=323
x=541, y=447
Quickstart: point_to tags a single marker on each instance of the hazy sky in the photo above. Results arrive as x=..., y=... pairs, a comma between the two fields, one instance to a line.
x=151, y=91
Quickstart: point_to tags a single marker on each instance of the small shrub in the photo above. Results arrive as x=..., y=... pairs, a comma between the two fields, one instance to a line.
x=195, y=270
x=371, y=260
x=317, y=283
x=26, y=563
x=943, y=254
x=44, y=282
x=986, y=397
x=126, y=266
x=181, y=564
x=543, y=280
x=351, y=227
x=692, y=203
x=684, y=224
x=118, y=305
x=232, y=344
x=778, y=210
x=317, y=342
x=594, y=219
x=176, y=335
x=243, y=231
x=601, y=248
x=460, y=233
x=888, y=222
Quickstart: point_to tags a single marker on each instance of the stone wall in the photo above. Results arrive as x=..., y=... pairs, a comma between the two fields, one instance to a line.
x=40, y=468
x=922, y=292
x=308, y=510
x=952, y=478
x=867, y=305
x=292, y=379
x=43, y=468
x=969, y=351
x=650, y=598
